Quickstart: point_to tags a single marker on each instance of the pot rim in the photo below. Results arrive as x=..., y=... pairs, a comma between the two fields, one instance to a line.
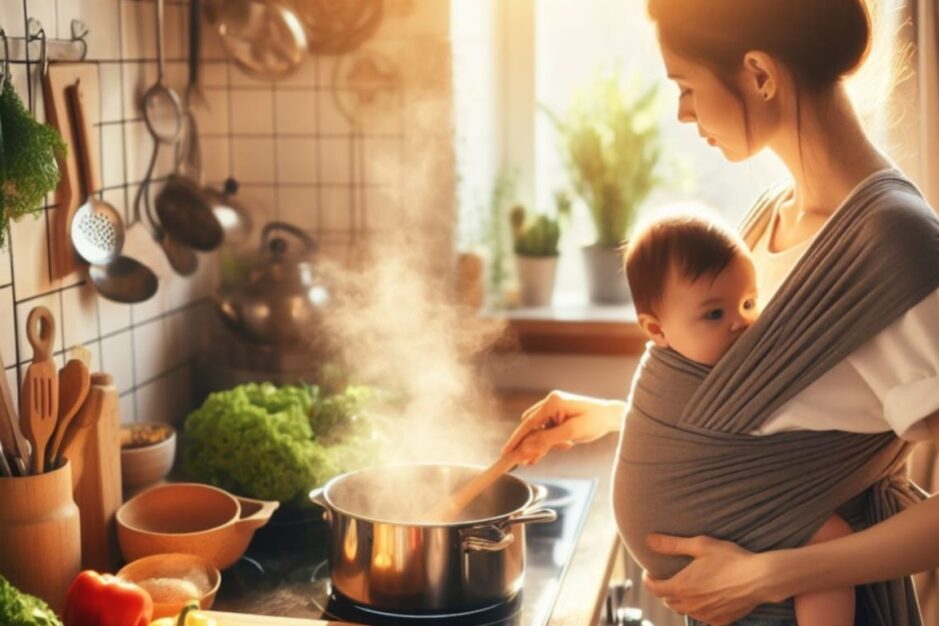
x=324, y=493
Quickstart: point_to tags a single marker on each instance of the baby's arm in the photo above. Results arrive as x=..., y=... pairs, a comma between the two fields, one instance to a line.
x=832, y=607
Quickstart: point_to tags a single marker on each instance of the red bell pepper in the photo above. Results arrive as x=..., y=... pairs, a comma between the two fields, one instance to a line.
x=103, y=600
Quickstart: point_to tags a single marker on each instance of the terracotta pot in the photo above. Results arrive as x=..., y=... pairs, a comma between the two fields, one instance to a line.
x=190, y=518
x=173, y=566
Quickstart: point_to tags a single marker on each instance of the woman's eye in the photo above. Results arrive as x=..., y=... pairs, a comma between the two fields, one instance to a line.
x=714, y=315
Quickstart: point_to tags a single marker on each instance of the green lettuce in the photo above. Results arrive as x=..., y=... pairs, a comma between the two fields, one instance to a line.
x=21, y=609
x=276, y=443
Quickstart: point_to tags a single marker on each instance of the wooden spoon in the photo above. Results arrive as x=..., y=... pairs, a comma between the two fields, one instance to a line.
x=89, y=413
x=74, y=382
x=450, y=509
x=39, y=402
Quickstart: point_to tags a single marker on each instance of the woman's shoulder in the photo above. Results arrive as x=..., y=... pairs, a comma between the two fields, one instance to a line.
x=895, y=213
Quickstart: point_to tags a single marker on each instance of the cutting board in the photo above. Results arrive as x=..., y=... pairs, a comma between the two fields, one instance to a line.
x=242, y=619
x=68, y=195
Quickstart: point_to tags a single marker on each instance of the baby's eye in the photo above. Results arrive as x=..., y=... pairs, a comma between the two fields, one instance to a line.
x=749, y=304
x=714, y=315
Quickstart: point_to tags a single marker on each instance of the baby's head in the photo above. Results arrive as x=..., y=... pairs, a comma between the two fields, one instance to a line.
x=693, y=284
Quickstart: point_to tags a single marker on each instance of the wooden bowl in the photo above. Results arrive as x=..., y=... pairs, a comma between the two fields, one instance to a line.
x=191, y=518
x=146, y=465
x=173, y=566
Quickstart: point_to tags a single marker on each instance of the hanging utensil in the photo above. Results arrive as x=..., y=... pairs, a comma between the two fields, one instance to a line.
x=122, y=279
x=184, y=211
x=97, y=229
x=39, y=400
x=181, y=258
x=337, y=27
x=74, y=383
x=162, y=110
x=263, y=37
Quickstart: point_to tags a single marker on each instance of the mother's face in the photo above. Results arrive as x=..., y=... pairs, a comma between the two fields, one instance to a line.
x=721, y=115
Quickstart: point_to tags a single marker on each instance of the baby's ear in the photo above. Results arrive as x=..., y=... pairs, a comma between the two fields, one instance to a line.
x=653, y=329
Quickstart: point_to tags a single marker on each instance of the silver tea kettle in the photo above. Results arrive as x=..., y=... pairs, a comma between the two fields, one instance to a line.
x=276, y=297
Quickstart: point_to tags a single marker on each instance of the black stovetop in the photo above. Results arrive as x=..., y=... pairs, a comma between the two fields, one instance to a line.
x=284, y=571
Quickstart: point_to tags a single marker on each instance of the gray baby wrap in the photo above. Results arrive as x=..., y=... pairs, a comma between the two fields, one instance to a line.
x=686, y=463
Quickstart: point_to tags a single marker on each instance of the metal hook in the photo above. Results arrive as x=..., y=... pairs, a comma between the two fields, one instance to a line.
x=6, y=60
x=36, y=32
x=79, y=32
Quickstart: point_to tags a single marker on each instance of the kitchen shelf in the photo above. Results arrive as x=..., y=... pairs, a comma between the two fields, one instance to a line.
x=572, y=329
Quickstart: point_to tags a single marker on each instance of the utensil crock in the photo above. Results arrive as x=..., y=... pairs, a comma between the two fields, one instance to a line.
x=40, y=535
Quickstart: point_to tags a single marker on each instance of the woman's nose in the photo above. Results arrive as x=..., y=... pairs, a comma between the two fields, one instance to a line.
x=686, y=112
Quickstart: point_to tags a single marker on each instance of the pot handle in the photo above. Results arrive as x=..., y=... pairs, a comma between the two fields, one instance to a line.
x=318, y=497
x=260, y=516
x=475, y=543
x=538, y=516
x=539, y=495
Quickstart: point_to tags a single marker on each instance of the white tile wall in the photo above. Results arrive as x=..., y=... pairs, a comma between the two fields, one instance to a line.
x=288, y=145
x=140, y=345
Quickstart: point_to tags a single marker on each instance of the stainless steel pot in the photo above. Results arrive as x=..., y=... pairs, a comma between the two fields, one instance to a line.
x=276, y=297
x=383, y=556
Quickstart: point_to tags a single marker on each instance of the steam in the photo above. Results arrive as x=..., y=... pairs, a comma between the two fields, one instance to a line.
x=395, y=319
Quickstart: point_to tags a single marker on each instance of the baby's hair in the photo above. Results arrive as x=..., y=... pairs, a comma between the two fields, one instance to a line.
x=694, y=242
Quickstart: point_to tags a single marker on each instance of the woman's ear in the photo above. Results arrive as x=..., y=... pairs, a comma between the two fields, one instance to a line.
x=652, y=327
x=760, y=75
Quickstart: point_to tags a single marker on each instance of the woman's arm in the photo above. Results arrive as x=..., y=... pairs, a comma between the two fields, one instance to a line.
x=563, y=420
x=725, y=582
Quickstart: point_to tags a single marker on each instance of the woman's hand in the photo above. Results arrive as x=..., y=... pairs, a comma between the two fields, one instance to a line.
x=562, y=420
x=724, y=583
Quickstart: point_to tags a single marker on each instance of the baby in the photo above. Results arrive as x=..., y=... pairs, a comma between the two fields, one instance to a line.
x=694, y=287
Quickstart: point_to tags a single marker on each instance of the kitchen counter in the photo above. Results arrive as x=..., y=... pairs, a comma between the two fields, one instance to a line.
x=283, y=585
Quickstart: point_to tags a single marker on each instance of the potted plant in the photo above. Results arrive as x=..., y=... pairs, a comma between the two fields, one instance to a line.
x=612, y=145
x=536, y=240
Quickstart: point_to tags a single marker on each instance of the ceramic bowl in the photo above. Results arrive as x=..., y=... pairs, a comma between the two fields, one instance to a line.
x=145, y=465
x=175, y=566
x=191, y=518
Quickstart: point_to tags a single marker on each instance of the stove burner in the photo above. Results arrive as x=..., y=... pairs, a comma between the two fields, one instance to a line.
x=338, y=606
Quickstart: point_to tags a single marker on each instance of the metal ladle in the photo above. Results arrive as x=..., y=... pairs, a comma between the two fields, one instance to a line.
x=162, y=114
x=122, y=279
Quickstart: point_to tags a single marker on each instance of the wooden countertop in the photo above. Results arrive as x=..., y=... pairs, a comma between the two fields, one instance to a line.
x=583, y=590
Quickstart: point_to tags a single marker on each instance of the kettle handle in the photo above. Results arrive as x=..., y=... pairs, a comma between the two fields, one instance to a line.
x=266, y=244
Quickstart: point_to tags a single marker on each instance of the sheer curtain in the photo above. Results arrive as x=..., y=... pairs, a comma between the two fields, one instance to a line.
x=925, y=29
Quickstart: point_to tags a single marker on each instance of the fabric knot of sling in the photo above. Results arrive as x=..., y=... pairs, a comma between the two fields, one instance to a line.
x=687, y=464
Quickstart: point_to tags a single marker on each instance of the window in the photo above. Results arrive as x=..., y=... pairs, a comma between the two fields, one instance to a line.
x=511, y=57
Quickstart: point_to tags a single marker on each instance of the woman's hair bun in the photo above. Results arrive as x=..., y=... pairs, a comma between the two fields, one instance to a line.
x=820, y=40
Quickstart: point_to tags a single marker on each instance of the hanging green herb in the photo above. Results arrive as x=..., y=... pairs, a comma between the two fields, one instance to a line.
x=28, y=151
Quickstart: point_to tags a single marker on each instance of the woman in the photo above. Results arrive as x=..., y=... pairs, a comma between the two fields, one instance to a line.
x=768, y=74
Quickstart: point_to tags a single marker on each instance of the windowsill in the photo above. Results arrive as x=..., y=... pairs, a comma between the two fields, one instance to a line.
x=572, y=329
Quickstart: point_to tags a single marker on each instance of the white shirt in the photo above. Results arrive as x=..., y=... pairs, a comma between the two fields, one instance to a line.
x=889, y=383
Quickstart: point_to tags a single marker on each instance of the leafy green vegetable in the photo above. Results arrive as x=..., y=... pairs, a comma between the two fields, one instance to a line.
x=30, y=170
x=21, y=609
x=276, y=443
